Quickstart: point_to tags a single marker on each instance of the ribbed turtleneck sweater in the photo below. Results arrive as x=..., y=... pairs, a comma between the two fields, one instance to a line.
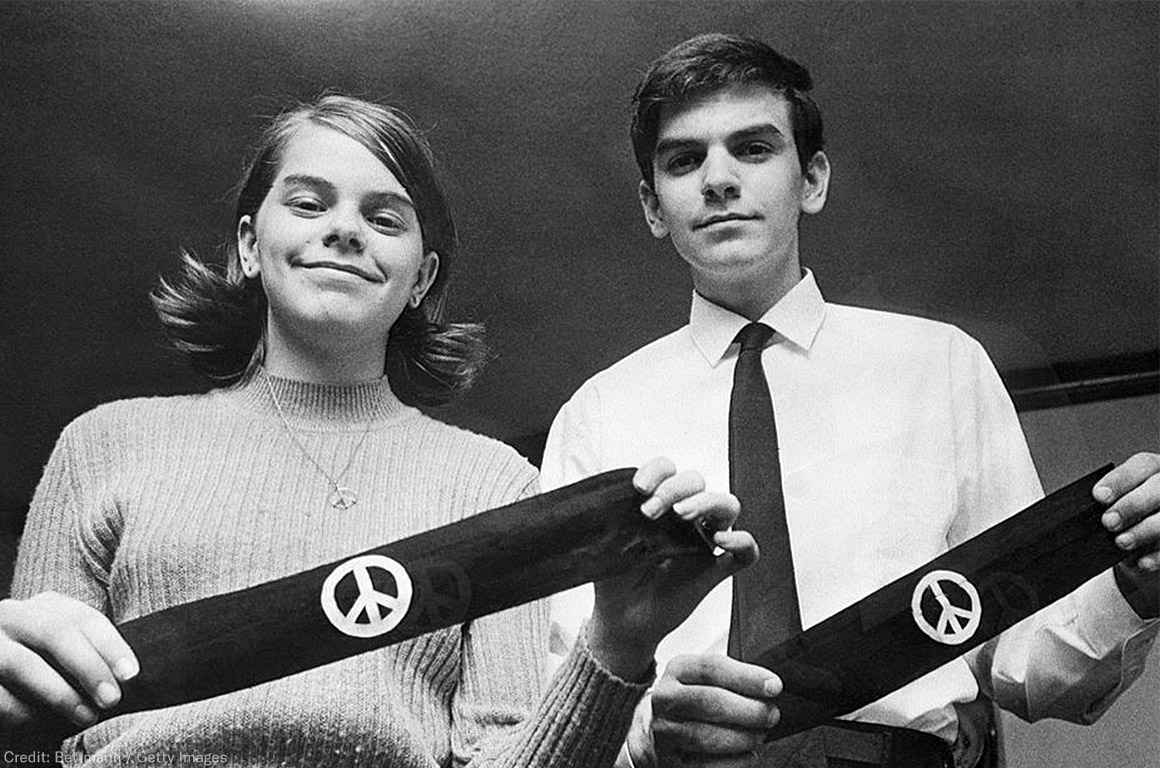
x=152, y=502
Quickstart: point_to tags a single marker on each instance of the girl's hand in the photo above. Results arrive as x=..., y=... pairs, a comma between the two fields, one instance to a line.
x=635, y=611
x=60, y=655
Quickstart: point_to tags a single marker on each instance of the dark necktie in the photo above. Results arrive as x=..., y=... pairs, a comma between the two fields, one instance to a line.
x=765, y=606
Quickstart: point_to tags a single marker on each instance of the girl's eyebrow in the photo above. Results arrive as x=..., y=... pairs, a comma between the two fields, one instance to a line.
x=306, y=180
x=382, y=197
x=389, y=198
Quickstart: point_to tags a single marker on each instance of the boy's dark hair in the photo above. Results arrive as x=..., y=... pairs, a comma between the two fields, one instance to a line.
x=711, y=62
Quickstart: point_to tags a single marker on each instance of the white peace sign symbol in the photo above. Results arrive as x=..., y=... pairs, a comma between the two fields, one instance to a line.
x=956, y=625
x=369, y=600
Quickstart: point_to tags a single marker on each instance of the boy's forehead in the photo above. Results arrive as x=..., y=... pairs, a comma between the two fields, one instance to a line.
x=725, y=109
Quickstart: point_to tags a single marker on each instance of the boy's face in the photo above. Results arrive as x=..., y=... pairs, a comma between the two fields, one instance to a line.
x=728, y=187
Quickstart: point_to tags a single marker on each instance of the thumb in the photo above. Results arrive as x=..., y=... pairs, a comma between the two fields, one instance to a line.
x=740, y=552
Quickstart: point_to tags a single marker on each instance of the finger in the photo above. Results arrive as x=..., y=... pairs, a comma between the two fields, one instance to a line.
x=1133, y=506
x=671, y=490
x=723, y=671
x=28, y=679
x=1140, y=570
x=61, y=640
x=675, y=701
x=1142, y=538
x=1148, y=563
x=652, y=473
x=13, y=711
x=704, y=739
x=741, y=552
x=741, y=549
x=715, y=511
x=109, y=645
x=1125, y=477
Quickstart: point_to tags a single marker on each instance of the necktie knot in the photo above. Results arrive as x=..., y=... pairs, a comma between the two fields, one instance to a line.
x=754, y=337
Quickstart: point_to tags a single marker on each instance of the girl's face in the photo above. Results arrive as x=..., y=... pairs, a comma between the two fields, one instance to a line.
x=337, y=244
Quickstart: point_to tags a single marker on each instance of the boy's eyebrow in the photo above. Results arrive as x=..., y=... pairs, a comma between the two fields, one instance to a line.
x=674, y=143
x=761, y=129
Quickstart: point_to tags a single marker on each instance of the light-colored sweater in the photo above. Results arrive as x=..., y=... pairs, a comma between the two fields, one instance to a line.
x=148, y=503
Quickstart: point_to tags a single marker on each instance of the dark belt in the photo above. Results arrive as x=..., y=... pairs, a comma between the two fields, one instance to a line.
x=841, y=744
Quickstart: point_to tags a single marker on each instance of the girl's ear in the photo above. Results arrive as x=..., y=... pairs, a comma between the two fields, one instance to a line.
x=248, y=247
x=428, y=269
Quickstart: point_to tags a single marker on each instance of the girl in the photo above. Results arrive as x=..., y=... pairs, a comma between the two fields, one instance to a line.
x=309, y=453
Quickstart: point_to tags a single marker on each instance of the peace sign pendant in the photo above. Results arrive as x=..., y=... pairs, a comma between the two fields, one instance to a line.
x=342, y=497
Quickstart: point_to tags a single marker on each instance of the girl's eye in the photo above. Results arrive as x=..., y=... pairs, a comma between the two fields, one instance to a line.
x=306, y=205
x=387, y=222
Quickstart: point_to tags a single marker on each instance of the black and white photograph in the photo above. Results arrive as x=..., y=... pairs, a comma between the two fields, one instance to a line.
x=580, y=383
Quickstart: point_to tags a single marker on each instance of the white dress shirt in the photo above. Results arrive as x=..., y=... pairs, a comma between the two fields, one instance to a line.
x=897, y=441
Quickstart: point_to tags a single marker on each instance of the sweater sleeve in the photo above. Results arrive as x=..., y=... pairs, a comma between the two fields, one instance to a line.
x=70, y=533
x=580, y=721
x=503, y=714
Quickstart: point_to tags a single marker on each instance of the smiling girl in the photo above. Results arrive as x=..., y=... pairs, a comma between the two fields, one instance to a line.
x=326, y=330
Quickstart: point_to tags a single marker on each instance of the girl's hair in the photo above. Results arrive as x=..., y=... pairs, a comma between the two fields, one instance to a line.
x=217, y=316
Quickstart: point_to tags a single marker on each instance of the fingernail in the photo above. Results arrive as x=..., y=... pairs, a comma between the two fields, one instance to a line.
x=126, y=669
x=1102, y=494
x=1150, y=563
x=1124, y=541
x=774, y=716
x=652, y=507
x=107, y=694
x=1112, y=521
x=82, y=715
x=772, y=687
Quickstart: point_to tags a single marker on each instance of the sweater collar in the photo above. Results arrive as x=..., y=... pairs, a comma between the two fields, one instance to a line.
x=337, y=406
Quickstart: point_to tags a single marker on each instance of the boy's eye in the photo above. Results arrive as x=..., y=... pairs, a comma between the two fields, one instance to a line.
x=756, y=149
x=682, y=162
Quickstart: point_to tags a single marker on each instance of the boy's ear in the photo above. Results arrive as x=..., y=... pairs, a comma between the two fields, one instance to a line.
x=815, y=183
x=651, y=205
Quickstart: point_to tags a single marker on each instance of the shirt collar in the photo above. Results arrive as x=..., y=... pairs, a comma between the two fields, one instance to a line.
x=796, y=317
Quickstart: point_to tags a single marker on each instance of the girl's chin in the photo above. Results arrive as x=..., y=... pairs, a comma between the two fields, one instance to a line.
x=338, y=322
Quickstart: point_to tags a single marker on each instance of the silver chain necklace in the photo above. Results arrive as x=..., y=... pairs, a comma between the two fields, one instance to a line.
x=341, y=496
